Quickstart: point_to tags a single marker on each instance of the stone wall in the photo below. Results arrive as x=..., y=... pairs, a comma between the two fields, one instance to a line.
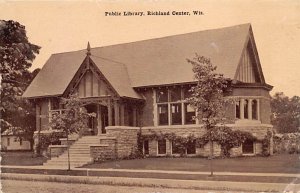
x=126, y=140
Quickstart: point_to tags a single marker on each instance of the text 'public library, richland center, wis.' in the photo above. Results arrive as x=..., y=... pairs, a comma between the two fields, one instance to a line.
x=142, y=86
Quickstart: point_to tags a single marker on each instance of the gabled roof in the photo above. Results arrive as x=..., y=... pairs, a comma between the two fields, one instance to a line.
x=146, y=63
x=120, y=80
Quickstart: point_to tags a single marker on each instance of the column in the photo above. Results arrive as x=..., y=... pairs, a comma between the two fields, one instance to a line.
x=134, y=116
x=122, y=114
x=99, y=120
x=117, y=112
x=250, y=109
x=109, y=112
x=242, y=101
x=169, y=114
x=182, y=114
x=258, y=109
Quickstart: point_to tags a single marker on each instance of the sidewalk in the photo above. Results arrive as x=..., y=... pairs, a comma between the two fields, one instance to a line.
x=157, y=171
x=163, y=183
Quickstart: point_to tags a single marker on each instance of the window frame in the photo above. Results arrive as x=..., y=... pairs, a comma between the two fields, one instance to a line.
x=169, y=103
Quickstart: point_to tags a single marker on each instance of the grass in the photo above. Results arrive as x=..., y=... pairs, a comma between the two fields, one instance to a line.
x=284, y=163
x=21, y=158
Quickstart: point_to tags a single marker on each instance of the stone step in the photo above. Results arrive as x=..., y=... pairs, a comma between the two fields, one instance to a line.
x=82, y=159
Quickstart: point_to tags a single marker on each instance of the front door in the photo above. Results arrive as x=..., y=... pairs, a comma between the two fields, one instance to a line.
x=92, y=122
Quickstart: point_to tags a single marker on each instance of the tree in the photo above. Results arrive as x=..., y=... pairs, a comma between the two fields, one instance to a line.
x=73, y=119
x=22, y=120
x=16, y=56
x=208, y=96
x=285, y=113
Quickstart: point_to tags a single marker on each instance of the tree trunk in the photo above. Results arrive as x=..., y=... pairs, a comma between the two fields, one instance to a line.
x=211, y=154
x=69, y=164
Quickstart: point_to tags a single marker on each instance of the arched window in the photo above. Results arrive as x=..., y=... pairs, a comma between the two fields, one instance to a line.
x=237, y=110
x=254, y=109
x=246, y=103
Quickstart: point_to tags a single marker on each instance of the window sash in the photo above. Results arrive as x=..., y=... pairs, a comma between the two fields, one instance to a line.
x=161, y=147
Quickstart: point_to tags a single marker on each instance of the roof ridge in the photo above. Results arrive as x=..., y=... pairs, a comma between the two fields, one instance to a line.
x=157, y=38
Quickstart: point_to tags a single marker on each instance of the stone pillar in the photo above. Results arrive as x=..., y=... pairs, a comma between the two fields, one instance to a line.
x=117, y=113
x=109, y=112
x=242, y=101
x=250, y=109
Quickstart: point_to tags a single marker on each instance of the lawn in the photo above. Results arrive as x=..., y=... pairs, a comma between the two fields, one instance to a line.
x=284, y=163
x=25, y=158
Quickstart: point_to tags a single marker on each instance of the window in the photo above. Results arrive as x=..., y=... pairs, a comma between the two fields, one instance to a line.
x=186, y=92
x=162, y=95
x=246, y=109
x=237, y=110
x=146, y=147
x=176, y=149
x=54, y=104
x=162, y=147
x=189, y=114
x=175, y=94
x=254, y=109
x=163, y=114
x=21, y=141
x=191, y=147
x=176, y=114
x=248, y=147
x=172, y=108
x=8, y=141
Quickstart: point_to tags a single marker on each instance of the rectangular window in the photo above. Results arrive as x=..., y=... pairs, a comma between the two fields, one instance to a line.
x=186, y=92
x=146, y=147
x=162, y=146
x=163, y=114
x=176, y=149
x=175, y=94
x=191, y=147
x=254, y=109
x=54, y=104
x=248, y=147
x=162, y=95
x=8, y=141
x=189, y=114
x=176, y=114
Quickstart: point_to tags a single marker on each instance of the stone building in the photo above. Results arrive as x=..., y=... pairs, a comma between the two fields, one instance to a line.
x=141, y=87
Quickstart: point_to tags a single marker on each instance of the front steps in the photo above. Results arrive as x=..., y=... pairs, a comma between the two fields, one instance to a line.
x=79, y=153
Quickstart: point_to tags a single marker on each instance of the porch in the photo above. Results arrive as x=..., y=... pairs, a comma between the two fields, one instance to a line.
x=111, y=112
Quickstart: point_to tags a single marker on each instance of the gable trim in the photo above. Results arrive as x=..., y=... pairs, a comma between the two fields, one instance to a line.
x=257, y=68
x=86, y=65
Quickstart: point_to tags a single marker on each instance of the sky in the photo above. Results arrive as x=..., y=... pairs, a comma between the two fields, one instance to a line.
x=62, y=26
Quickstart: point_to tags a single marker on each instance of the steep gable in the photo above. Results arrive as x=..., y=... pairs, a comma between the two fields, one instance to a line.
x=249, y=68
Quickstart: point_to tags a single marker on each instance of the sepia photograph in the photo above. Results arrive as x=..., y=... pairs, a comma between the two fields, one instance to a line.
x=150, y=96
